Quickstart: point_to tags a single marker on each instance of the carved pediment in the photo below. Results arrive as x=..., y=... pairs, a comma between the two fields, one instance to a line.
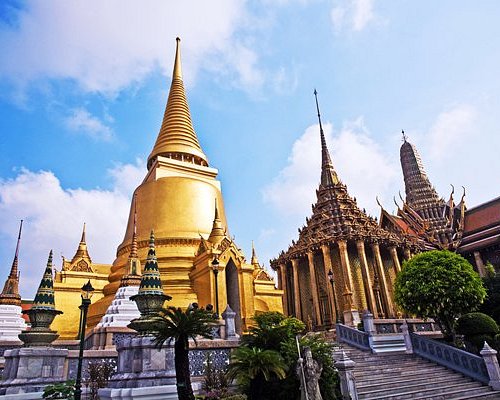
x=82, y=266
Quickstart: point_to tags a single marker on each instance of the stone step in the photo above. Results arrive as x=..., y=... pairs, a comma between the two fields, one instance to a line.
x=482, y=393
x=401, y=379
x=426, y=379
x=381, y=366
x=439, y=392
x=371, y=392
x=392, y=370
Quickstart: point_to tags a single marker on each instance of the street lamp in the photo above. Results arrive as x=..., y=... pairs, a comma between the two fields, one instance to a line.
x=86, y=293
x=330, y=277
x=215, y=268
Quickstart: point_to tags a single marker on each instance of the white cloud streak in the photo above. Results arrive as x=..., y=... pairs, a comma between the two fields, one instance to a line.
x=107, y=46
x=357, y=158
x=353, y=15
x=54, y=216
x=84, y=122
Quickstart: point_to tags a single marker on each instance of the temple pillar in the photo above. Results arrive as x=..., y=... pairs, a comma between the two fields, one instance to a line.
x=383, y=281
x=370, y=298
x=479, y=264
x=327, y=262
x=407, y=253
x=314, y=287
x=395, y=259
x=296, y=294
x=282, y=275
x=351, y=315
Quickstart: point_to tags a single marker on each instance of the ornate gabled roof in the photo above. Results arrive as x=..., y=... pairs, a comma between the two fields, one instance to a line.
x=10, y=292
x=438, y=223
x=177, y=138
x=81, y=261
x=44, y=298
x=335, y=216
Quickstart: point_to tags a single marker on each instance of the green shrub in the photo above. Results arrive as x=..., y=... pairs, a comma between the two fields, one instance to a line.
x=64, y=390
x=476, y=323
x=478, y=341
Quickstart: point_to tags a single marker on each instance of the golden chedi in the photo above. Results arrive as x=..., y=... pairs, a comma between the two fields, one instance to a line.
x=176, y=201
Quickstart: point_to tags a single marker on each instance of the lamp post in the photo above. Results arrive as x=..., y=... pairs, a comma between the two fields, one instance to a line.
x=332, y=281
x=87, y=291
x=215, y=268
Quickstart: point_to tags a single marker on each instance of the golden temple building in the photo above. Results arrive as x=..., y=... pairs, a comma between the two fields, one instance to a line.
x=180, y=199
x=67, y=288
x=339, y=237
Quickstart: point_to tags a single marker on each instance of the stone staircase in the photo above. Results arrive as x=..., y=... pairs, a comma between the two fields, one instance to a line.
x=406, y=376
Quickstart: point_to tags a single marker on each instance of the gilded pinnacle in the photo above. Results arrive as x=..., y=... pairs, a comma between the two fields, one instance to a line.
x=177, y=138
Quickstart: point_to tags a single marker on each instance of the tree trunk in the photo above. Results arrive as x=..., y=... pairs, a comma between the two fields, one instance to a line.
x=183, y=376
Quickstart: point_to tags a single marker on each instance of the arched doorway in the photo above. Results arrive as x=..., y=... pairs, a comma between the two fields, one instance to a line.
x=233, y=292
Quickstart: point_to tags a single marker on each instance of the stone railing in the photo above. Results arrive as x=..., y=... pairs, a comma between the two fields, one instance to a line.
x=393, y=325
x=451, y=357
x=353, y=337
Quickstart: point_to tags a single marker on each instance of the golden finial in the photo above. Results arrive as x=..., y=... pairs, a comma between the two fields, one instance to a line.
x=177, y=74
x=82, y=240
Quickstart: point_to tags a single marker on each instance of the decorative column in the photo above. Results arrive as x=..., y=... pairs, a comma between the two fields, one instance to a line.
x=282, y=276
x=383, y=281
x=407, y=253
x=296, y=294
x=490, y=359
x=327, y=262
x=351, y=315
x=314, y=287
x=479, y=264
x=367, y=283
x=395, y=259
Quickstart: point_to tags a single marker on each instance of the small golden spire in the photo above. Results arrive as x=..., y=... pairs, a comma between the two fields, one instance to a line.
x=217, y=233
x=10, y=292
x=177, y=138
x=255, y=260
x=82, y=251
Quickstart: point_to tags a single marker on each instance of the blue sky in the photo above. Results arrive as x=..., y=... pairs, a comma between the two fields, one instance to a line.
x=83, y=86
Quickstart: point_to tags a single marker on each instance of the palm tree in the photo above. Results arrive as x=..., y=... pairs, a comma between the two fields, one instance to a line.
x=254, y=366
x=179, y=326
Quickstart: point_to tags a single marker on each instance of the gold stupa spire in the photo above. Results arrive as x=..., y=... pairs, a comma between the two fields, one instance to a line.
x=10, y=292
x=82, y=251
x=217, y=233
x=177, y=138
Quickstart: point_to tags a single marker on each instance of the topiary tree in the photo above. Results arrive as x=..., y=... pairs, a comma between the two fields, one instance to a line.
x=439, y=284
x=478, y=328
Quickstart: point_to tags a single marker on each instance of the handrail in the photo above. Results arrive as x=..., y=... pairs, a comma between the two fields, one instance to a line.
x=353, y=337
x=451, y=357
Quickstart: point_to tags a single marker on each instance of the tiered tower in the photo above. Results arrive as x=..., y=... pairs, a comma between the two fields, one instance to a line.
x=176, y=201
x=340, y=237
x=437, y=224
x=10, y=301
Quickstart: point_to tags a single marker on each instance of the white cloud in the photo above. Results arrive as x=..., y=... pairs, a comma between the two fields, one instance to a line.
x=451, y=128
x=106, y=46
x=354, y=15
x=357, y=159
x=54, y=217
x=82, y=121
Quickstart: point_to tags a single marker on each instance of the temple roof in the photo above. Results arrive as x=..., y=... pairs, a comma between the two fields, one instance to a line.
x=336, y=215
x=177, y=138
